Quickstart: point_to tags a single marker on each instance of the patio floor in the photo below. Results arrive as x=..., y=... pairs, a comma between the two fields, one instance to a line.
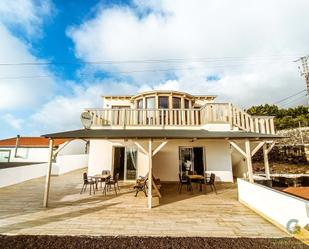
x=70, y=213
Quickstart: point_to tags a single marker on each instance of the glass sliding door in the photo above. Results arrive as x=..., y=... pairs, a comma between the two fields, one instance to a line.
x=125, y=162
x=185, y=160
x=191, y=159
x=131, y=163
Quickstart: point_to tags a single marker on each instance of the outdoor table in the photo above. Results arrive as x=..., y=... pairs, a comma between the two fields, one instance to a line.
x=196, y=177
x=99, y=176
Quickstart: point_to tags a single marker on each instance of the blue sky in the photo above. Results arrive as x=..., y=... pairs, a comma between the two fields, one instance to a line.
x=203, y=46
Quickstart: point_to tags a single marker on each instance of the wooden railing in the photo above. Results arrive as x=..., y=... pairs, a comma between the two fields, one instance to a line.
x=146, y=117
x=216, y=113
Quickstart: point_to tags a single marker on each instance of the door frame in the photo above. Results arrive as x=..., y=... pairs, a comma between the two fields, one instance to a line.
x=125, y=161
x=192, y=160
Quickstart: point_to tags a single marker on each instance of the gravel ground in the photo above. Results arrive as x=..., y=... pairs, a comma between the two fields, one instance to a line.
x=74, y=242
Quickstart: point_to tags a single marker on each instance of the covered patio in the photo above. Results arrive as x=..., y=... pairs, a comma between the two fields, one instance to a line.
x=70, y=213
x=144, y=140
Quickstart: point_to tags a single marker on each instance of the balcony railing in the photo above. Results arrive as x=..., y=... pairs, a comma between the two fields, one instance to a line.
x=215, y=113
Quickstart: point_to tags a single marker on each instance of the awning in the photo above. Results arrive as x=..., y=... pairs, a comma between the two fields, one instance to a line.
x=157, y=134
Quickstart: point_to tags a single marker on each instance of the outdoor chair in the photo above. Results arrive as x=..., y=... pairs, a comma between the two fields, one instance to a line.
x=211, y=182
x=183, y=181
x=88, y=181
x=115, y=180
x=104, y=172
x=111, y=182
x=141, y=185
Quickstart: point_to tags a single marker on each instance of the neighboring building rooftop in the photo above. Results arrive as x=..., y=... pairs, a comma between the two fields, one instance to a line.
x=30, y=142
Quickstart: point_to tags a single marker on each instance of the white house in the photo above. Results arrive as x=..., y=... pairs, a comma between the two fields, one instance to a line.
x=35, y=149
x=25, y=158
x=167, y=133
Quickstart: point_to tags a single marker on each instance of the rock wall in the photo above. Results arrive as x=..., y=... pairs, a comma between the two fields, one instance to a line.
x=294, y=136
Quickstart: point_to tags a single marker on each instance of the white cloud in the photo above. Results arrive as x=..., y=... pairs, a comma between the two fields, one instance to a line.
x=63, y=112
x=12, y=121
x=25, y=14
x=16, y=90
x=204, y=29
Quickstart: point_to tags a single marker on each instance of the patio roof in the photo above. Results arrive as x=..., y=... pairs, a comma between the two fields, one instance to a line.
x=157, y=134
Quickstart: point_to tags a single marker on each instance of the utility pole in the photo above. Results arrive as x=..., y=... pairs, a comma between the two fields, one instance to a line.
x=304, y=71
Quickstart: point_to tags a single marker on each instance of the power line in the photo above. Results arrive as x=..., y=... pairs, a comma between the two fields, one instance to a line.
x=294, y=100
x=169, y=60
x=286, y=98
x=135, y=71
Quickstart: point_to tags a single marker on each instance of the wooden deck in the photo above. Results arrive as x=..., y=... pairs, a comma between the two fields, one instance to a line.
x=183, y=214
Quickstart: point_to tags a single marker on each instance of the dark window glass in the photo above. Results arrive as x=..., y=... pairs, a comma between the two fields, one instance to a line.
x=176, y=103
x=186, y=104
x=140, y=104
x=163, y=102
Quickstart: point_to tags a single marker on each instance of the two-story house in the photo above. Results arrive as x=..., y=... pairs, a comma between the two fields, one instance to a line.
x=167, y=133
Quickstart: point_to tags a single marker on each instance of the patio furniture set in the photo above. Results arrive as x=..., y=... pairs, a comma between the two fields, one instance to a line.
x=141, y=184
x=193, y=177
x=106, y=178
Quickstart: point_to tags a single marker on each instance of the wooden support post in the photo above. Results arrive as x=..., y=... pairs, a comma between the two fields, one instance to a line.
x=238, y=148
x=257, y=148
x=159, y=148
x=249, y=160
x=150, y=174
x=49, y=167
x=266, y=163
x=141, y=148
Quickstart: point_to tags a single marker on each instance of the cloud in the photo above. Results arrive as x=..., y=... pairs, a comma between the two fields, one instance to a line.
x=63, y=112
x=20, y=94
x=248, y=41
x=26, y=15
x=12, y=121
x=16, y=90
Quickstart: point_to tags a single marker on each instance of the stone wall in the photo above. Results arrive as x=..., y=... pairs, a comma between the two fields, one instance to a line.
x=290, y=149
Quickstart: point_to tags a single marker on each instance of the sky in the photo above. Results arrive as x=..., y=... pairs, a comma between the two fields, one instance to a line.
x=58, y=57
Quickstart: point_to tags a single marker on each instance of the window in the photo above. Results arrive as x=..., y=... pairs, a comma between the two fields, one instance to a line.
x=163, y=102
x=139, y=104
x=186, y=104
x=150, y=103
x=176, y=103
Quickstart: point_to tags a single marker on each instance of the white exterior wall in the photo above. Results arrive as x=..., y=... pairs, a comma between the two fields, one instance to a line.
x=74, y=147
x=27, y=154
x=64, y=164
x=166, y=161
x=108, y=103
x=69, y=163
x=286, y=210
x=100, y=156
x=14, y=175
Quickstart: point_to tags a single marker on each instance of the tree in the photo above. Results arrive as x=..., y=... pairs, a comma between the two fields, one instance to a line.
x=284, y=118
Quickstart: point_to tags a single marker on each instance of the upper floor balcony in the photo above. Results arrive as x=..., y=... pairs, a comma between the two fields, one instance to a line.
x=212, y=116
